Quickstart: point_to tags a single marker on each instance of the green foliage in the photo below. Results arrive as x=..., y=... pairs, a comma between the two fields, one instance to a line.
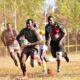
x=33, y=9
x=24, y=9
x=71, y=9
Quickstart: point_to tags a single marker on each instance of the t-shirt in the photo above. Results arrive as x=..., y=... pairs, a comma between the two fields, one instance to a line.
x=55, y=31
x=29, y=34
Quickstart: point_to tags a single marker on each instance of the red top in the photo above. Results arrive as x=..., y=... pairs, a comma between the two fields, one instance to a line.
x=55, y=30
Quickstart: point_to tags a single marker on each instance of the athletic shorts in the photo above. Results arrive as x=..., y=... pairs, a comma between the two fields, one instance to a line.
x=14, y=47
x=44, y=47
x=30, y=51
x=55, y=47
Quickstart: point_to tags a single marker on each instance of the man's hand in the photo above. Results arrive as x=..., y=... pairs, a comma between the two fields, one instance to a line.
x=47, y=43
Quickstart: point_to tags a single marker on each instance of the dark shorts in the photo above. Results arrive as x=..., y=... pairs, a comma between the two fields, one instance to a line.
x=29, y=51
x=55, y=47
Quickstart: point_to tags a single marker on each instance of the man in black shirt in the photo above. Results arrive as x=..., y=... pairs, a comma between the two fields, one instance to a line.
x=31, y=49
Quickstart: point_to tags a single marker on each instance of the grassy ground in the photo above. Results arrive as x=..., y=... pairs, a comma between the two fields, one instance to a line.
x=69, y=71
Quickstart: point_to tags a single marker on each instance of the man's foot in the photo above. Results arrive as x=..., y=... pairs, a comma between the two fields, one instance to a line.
x=66, y=57
x=25, y=75
x=58, y=70
x=46, y=59
x=24, y=78
x=15, y=61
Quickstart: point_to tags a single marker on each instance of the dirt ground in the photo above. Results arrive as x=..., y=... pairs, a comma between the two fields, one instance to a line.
x=71, y=70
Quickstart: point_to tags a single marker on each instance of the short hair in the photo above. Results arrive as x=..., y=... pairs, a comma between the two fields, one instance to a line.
x=7, y=24
x=49, y=17
x=27, y=21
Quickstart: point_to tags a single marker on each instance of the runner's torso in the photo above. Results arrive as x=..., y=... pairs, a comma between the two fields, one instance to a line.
x=54, y=32
x=30, y=35
x=9, y=36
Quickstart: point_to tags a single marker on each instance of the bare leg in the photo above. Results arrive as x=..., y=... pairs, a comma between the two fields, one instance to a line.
x=22, y=63
x=19, y=56
x=66, y=56
x=13, y=57
x=59, y=57
x=58, y=65
x=42, y=57
x=36, y=57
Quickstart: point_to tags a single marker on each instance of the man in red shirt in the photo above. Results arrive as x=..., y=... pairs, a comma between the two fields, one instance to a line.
x=56, y=33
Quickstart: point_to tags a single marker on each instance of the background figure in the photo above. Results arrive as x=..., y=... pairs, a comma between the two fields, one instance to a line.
x=57, y=33
x=42, y=48
x=31, y=49
x=8, y=38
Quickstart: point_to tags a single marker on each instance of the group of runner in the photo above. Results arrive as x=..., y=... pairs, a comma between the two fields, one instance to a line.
x=37, y=43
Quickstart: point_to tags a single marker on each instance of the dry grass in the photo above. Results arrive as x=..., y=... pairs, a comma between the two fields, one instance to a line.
x=69, y=71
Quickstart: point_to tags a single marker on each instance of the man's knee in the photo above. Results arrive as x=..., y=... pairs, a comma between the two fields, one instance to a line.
x=19, y=55
x=59, y=55
x=12, y=54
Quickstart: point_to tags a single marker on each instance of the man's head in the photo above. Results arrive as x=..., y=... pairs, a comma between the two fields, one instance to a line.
x=50, y=20
x=9, y=26
x=29, y=23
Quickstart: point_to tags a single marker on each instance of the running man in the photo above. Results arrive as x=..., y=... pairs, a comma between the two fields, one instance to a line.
x=31, y=49
x=8, y=38
x=57, y=34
